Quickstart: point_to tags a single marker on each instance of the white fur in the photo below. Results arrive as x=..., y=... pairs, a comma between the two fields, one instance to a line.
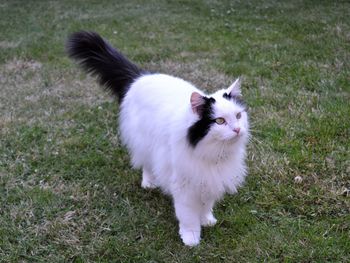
x=154, y=119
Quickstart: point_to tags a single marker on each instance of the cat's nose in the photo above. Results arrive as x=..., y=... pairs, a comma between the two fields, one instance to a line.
x=236, y=130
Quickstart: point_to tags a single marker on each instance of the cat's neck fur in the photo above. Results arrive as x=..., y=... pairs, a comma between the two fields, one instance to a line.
x=218, y=152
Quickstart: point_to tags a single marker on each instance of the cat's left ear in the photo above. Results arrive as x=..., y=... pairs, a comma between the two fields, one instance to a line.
x=197, y=103
x=235, y=89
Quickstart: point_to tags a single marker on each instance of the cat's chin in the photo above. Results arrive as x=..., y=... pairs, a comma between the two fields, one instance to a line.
x=231, y=140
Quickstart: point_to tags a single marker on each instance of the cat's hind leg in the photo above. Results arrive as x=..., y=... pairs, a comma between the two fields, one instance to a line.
x=147, y=179
x=207, y=217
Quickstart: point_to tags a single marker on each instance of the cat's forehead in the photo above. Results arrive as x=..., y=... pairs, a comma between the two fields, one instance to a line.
x=226, y=107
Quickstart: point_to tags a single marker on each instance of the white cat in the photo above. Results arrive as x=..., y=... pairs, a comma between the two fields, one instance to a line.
x=190, y=144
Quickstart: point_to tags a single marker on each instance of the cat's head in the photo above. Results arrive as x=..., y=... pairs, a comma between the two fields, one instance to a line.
x=222, y=116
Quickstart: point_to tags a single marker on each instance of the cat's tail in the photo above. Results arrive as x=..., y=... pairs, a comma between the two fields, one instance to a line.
x=114, y=71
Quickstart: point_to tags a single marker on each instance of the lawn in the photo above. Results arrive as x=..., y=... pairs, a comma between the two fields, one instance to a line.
x=67, y=191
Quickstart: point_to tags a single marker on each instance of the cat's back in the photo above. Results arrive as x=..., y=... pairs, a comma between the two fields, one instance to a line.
x=155, y=91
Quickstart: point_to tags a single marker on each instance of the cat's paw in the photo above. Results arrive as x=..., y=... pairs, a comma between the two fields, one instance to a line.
x=146, y=184
x=208, y=220
x=190, y=238
x=147, y=180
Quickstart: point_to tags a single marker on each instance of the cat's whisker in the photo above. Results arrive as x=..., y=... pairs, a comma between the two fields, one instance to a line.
x=255, y=132
x=260, y=146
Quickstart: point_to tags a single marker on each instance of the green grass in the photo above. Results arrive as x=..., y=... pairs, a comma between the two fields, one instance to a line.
x=67, y=192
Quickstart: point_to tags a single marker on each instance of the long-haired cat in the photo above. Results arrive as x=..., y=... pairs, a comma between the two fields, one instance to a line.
x=189, y=144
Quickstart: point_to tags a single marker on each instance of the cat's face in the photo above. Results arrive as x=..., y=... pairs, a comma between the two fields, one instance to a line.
x=222, y=116
x=231, y=119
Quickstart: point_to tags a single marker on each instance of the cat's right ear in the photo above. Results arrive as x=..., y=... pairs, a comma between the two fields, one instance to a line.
x=197, y=103
x=235, y=89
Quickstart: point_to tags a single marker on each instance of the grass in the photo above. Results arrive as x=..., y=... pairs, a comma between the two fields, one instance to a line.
x=67, y=192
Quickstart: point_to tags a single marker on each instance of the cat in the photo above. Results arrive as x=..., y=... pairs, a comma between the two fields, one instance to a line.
x=189, y=144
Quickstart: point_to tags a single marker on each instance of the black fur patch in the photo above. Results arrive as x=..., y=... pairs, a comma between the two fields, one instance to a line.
x=201, y=128
x=227, y=96
x=236, y=99
x=114, y=71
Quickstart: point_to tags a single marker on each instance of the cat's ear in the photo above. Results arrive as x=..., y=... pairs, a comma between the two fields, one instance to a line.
x=235, y=89
x=197, y=103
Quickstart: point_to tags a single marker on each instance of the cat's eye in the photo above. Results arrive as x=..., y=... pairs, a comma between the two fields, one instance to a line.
x=220, y=121
x=239, y=115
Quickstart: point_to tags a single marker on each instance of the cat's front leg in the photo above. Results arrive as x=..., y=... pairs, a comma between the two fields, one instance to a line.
x=147, y=179
x=188, y=214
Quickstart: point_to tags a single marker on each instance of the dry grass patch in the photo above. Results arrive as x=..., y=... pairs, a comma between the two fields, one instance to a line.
x=199, y=72
x=8, y=44
x=35, y=93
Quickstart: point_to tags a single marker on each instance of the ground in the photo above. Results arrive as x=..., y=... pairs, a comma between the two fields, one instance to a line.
x=67, y=191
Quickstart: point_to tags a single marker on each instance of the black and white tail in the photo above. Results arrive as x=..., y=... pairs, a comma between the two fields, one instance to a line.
x=114, y=71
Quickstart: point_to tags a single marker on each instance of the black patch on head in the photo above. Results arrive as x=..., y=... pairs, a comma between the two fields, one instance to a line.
x=227, y=96
x=201, y=128
x=237, y=99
